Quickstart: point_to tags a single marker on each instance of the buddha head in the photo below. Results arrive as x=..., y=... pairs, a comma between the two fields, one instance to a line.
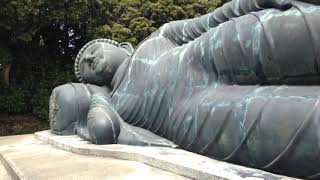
x=98, y=60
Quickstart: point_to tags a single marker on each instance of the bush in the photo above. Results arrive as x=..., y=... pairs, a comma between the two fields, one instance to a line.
x=14, y=100
x=40, y=100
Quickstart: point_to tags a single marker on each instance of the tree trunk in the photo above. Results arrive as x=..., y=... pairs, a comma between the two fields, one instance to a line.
x=6, y=73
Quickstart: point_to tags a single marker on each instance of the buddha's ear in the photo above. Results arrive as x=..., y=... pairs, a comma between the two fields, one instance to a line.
x=127, y=46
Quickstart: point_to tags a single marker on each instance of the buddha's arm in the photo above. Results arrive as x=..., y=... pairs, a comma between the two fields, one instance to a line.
x=103, y=122
x=85, y=110
x=105, y=126
x=184, y=31
x=253, y=49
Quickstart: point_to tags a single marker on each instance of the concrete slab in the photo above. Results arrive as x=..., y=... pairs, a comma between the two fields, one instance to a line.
x=15, y=140
x=4, y=174
x=28, y=158
x=176, y=161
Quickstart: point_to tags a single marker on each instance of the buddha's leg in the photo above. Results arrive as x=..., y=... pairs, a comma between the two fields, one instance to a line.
x=272, y=128
x=184, y=31
x=267, y=47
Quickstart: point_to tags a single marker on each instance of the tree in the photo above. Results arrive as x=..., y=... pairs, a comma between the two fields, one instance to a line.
x=40, y=39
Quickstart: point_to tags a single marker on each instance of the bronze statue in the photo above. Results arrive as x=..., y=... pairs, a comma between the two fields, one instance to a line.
x=239, y=84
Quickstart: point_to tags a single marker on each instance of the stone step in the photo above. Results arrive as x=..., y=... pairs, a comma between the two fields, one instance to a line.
x=28, y=158
x=4, y=174
x=177, y=161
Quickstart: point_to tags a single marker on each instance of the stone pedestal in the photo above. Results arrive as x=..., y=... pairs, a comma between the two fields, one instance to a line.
x=177, y=161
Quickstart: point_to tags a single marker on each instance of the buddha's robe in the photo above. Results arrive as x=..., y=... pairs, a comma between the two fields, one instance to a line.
x=220, y=85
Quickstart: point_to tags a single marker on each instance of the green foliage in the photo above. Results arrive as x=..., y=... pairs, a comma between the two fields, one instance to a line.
x=5, y=56
x=41, y=38
x=40, y=99
x=17, y=17
x=141, y=27
x=26, y=100
x=163, y=11
x=197, y=7
x=14, y=100
x=116, y=32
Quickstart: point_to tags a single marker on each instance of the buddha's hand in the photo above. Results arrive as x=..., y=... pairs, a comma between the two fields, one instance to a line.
x=103, y=122
x=68, y=104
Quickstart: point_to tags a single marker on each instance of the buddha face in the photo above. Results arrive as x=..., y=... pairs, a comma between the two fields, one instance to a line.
x=99, y=62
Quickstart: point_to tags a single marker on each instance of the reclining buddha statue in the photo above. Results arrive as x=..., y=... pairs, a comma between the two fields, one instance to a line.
x=240, y=84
